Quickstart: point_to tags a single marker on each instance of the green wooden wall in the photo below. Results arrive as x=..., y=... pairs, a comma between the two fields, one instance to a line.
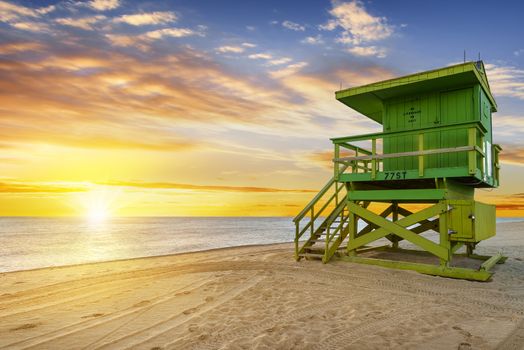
x=434, y=109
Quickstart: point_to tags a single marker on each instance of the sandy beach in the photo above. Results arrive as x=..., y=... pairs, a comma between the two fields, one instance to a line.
x=258, y=297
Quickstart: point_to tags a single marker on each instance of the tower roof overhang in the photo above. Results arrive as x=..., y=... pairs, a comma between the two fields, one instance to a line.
x=368, y=99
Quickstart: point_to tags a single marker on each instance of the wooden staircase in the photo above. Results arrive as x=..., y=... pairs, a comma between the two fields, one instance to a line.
x=327, y=227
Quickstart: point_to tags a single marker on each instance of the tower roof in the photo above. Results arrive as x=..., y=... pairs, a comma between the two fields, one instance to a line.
x=367, y=99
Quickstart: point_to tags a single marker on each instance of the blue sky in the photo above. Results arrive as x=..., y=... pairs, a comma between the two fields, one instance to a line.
x=224, y=93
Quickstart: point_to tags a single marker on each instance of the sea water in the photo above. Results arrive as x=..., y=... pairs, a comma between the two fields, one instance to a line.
x=28, y=242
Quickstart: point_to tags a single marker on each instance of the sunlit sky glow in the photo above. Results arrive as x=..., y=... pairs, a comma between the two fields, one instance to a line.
x=221, y=107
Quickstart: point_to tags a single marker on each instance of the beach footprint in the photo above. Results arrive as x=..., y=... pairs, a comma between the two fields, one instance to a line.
x=464, y=346
x=24, y=326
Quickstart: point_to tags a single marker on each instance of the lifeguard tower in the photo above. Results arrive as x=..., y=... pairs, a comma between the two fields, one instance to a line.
x=436, y=148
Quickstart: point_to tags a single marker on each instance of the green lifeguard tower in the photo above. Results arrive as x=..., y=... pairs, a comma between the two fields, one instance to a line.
x=435, y=149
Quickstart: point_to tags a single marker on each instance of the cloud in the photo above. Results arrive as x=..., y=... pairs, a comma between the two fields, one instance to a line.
x=150, y=18
x=279, y=61
x=509, y=128
x=313, y=40
x=16, y=47
x=142, y=41
x=104, y=5
x=357, y=24
x=10, y=12
x=123, y=40
x=289, y=70
x=513, y=154
x=368, y=51
x=518, y=52
x=510, y=206
x=21, y=17
x=82, y=23
x=260, y=56
x=46, y=10
x=117, y=101
x=179, y=186
x=293, y=26
x=506, y=80
x=170, y=32
x=230, y=49
x=249, y=45
x=18, y=187
x=32, y=26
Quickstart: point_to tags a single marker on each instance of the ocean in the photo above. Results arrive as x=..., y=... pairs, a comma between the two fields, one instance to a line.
x=29, y=242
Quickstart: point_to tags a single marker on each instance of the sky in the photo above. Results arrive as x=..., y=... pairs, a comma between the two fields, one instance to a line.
x=206, y=108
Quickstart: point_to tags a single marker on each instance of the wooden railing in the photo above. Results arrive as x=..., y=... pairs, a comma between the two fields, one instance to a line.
x=371, y=160
x=322, y=205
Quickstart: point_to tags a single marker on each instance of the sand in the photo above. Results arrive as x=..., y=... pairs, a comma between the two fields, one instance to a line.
x=260, y=298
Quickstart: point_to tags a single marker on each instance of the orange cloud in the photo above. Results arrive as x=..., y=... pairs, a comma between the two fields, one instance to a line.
x=15, y=187
x=512, y=154
x=178, y=186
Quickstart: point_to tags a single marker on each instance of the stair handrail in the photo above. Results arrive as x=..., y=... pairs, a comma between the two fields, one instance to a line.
x=334, y=215
x=317, y=197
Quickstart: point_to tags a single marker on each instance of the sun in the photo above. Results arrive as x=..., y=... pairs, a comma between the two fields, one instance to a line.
x=98, y=205
x=97, y=214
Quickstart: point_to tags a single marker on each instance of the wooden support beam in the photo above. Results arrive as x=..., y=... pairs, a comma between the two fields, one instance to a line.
x=428, y=269
x=488, y=264
x=371, y=226
x=399, y=228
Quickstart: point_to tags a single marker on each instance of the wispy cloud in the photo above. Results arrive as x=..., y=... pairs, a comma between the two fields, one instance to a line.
x=249, y=45
x=171, y=32
x=104, y=5
x=289, y=70
x=260, y=56
x=32, y=26
x=513, y=154
x=10, y=12
x=506, y=80
x=19, y=187
x=25, y=18
x=140, y=19
x=85, y=23
x=313, y=40
x=179, y=186
x=279, y=61
x=293, y=26
x=230, y=49
x=17, y=47
x=142, y=41
x=368, y=51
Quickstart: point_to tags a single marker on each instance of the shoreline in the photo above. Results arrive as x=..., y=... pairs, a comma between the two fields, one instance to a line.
x=150, y=257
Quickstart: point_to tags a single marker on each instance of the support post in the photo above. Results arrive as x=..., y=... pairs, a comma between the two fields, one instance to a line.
x=395, y=219
x=352, y=224
x=444, y=237
x=297, y=229
x=421, y=157
x=373, y=158
x=472, y=155
x=336, y=165
x=312, y=221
